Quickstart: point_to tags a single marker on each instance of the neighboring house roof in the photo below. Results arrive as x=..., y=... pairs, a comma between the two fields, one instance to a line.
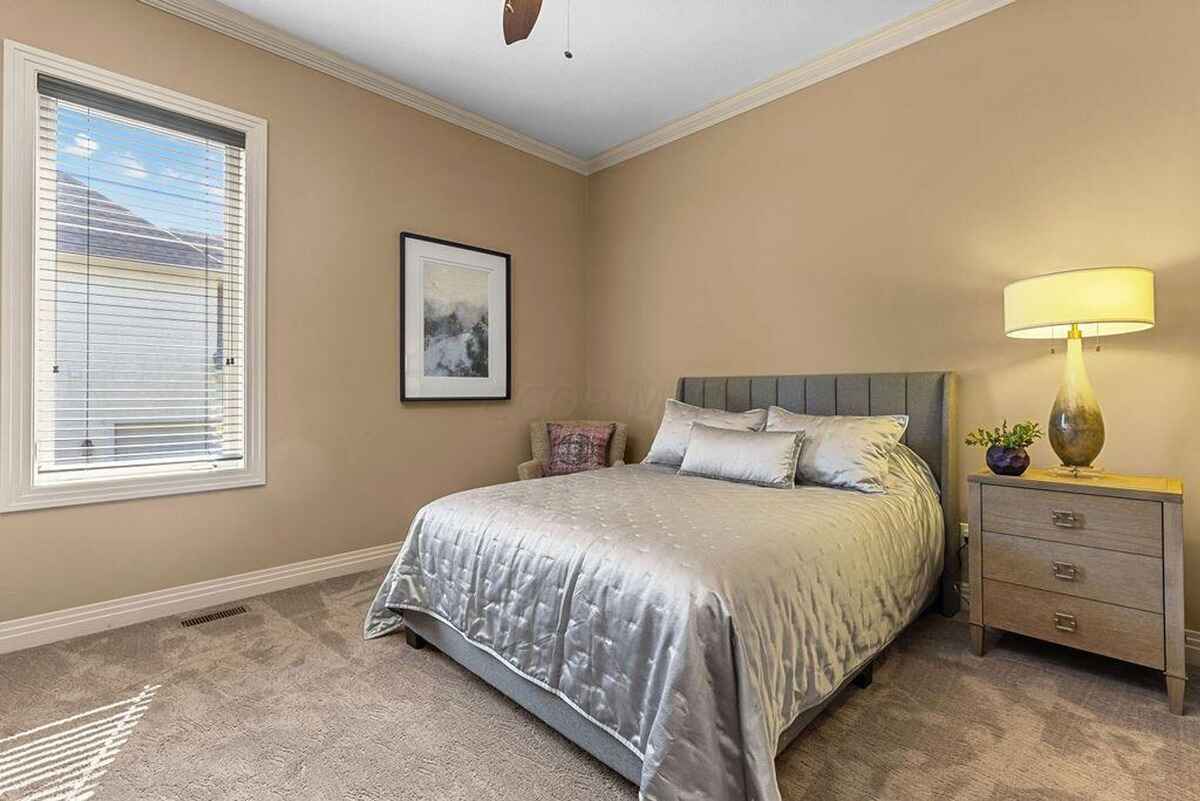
x=88, y=223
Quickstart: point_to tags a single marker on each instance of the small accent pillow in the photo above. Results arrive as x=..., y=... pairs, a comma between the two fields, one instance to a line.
x=671, y=441
x=839, y=451
x=763, y=458
x=575, y=448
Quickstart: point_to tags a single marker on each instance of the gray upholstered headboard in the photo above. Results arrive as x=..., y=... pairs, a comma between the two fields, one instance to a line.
x=929, y=400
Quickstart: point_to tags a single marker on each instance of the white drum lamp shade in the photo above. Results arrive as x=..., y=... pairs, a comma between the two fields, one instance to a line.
x=1101, y=301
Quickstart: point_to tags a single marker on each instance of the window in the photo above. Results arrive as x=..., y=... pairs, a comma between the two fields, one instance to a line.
x=133, y=274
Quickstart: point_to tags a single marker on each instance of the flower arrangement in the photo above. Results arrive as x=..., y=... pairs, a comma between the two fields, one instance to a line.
x=1006, y=446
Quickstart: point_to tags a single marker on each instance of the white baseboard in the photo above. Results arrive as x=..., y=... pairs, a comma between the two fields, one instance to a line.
x=1191, y=639
x=27, y=632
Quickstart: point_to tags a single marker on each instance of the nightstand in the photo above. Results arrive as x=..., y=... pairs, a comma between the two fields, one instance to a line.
x=1093, y=563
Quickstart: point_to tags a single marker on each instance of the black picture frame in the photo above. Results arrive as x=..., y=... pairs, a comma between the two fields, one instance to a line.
x=507, y=394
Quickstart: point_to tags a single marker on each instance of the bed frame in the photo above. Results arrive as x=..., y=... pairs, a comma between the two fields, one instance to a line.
x=929, y=399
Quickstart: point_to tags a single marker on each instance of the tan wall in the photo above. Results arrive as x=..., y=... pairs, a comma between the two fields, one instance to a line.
x=870, y=223
x=348, y=465
x=866, y=223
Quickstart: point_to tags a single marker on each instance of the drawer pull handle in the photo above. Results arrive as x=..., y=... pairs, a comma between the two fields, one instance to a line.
x=1065, y=571
x=1065, y=519
x=1064, y=622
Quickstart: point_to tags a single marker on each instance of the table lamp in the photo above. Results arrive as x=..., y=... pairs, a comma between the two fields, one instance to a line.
x=1096, y=302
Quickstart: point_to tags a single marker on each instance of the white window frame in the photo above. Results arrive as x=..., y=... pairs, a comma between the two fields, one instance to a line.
x=20, y=488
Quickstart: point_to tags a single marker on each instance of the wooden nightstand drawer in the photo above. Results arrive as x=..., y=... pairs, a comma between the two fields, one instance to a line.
x=1116, y=631
x=1110, y=576
x=1119, y=524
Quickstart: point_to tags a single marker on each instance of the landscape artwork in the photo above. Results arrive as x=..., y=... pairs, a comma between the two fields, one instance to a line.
x=456, y=321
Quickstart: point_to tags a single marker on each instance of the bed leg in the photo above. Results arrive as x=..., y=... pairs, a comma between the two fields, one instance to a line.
x=865, y=676
x=414, y=640
x=949, y=600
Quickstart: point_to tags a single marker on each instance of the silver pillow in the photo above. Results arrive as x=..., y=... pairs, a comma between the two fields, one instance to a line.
x=765, y=458
x=671, y=441
x=849, y=452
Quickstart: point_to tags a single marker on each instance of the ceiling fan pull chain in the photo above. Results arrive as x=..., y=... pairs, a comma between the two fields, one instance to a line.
x=567, y=53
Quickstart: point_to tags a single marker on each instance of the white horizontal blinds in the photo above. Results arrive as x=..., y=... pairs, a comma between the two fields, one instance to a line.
x=140, y=286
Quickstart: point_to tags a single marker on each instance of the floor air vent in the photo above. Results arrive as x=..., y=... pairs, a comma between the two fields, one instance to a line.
x=211, y=616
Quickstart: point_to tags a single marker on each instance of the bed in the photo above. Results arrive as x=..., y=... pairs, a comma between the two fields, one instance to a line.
x=680, y=629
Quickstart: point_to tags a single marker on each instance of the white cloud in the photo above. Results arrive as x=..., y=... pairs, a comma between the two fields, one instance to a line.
x=84, y=146
x=201, y=183
x=131, y=167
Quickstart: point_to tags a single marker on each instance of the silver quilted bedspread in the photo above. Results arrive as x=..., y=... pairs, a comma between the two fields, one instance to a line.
x=693, y=619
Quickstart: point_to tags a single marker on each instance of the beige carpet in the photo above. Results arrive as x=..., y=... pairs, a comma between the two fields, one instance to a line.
x=287, y=702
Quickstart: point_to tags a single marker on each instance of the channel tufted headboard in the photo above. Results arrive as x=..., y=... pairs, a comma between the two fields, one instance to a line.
x=929, y=400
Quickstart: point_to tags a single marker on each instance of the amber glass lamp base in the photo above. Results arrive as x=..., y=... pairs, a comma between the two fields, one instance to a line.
x=1076, y=427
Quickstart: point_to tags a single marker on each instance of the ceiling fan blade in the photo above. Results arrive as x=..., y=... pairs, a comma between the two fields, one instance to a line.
x=519, y=18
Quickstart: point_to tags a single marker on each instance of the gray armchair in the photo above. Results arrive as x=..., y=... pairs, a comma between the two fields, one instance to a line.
x=539, y=441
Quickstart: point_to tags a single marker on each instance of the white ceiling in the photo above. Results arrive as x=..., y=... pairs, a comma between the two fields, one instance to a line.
x=638, y=64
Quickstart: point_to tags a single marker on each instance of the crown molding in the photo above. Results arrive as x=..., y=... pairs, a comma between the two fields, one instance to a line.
x=910, y=30
x=245, y=28
x=933, y=20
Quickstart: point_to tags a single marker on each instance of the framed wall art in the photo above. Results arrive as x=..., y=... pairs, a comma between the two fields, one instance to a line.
x=455, y=304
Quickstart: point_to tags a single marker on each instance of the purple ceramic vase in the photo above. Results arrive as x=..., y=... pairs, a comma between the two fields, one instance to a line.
x=1007, y=461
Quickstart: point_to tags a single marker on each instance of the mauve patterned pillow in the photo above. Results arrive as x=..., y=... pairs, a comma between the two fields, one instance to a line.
x=574, y=448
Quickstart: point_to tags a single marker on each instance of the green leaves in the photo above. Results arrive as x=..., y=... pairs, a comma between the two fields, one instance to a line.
x=1021, y=435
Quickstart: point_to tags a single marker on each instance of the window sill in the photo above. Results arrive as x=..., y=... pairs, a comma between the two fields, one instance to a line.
x=86, y=491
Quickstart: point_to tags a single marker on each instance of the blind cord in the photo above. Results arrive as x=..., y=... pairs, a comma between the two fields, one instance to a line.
x=88, y=445
x=57, y=277
x=208, y=390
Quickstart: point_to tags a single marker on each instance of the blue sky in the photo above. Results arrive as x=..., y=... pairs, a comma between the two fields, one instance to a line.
x=171, y=180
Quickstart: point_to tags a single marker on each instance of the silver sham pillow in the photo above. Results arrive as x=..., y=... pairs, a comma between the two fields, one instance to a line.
x=671, y=441
x=842, y=451
x=763, y=458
